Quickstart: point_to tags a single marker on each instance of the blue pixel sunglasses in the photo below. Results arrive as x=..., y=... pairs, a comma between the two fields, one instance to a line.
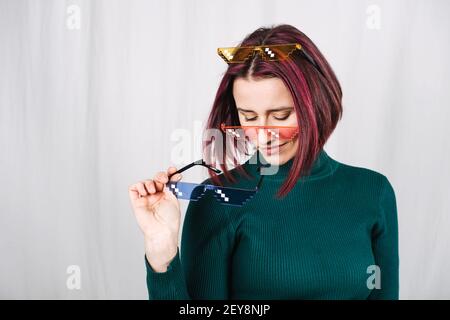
x=225, y=195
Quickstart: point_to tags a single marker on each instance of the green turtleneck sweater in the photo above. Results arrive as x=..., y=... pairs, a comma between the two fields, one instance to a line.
x=334, y=236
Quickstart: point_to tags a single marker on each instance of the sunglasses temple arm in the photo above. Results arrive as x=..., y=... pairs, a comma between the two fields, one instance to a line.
x=200, y=162
x=261, y=176
x=259, y=182
x=311, y=60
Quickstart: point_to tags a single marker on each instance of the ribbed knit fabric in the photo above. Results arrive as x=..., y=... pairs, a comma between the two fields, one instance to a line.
x=318, y=242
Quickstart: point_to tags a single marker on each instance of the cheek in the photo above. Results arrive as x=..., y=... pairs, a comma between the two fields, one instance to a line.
x=290, y=151
x=287, y=134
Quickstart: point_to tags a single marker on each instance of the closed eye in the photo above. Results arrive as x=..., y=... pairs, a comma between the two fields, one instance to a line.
x=280, y=117
x=284, y=118
x=276, y=118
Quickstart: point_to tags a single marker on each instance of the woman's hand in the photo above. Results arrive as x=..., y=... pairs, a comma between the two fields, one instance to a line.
x=157, y=212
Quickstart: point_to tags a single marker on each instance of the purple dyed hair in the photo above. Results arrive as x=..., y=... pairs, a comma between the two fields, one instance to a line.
x=315, y=90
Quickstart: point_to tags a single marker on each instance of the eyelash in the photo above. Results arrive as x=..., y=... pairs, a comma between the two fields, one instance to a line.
x=284, y=118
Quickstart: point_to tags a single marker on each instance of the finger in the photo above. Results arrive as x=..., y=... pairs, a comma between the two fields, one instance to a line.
x=176, y=177
x=170, y=195
x=158, y=186
x=171, y=170
x=142, y=191
x=161, y=177
x=160, y=180
x=150, y=186
x=133, y=193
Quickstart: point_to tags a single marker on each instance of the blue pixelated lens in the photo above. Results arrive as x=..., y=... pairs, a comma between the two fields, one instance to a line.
x=225, y=195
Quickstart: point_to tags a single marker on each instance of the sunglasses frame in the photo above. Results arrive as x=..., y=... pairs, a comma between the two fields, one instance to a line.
x=260, y=49
x=220, y=192
x=200, y=162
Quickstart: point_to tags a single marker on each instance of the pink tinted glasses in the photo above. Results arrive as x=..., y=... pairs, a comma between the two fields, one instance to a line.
x=251, y=132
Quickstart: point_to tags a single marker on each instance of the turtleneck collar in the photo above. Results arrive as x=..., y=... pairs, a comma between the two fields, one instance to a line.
x=322, y=166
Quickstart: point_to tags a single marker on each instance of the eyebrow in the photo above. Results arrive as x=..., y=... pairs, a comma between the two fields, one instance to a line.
x=269, y=110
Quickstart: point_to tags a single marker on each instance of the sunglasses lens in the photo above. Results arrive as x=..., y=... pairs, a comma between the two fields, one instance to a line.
x=225, y=195
x=278, y=52
x=186, y=190
x=233, y=197
x=243, y=54
x=288, y=133
x=235, y=55
x=251, y=133
x=236, y=133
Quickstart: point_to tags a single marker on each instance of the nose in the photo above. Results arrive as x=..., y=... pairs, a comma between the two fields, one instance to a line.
x=264, y=136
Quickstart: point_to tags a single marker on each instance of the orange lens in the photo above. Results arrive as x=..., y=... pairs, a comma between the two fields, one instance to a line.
x=236, y=54
x=278, y=52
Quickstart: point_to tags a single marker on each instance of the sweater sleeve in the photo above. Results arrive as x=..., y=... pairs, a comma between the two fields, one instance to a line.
x=385, y=245
x=201, y=267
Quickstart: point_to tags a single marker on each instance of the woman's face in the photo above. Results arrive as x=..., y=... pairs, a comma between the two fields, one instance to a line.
x=267, y=102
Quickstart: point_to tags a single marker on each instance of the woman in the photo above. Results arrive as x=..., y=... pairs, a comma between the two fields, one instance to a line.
x=316, y=229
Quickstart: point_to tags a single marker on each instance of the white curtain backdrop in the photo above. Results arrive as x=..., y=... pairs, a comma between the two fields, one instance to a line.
x=91, y=93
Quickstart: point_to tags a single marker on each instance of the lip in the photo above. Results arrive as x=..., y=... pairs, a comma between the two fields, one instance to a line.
x=270, y=150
